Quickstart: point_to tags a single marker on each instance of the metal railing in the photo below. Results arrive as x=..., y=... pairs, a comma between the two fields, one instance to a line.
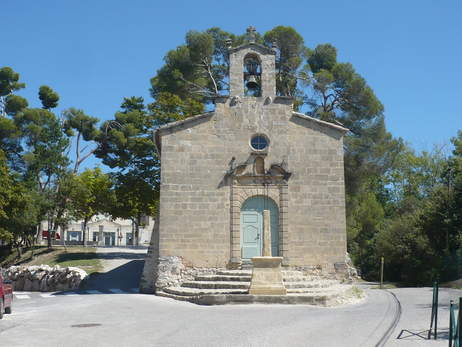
x=434, y=317
x=455, y=328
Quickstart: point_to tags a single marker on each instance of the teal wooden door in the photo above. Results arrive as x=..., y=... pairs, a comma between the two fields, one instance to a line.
x=252, y=226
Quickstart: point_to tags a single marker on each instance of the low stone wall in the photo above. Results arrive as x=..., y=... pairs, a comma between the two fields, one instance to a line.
x=44, y=278
x=171, y=271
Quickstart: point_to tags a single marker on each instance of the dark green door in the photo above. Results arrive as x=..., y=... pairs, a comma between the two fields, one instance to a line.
x=252, y=226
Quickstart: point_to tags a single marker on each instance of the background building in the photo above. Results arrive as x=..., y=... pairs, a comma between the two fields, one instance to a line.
x=102, y=230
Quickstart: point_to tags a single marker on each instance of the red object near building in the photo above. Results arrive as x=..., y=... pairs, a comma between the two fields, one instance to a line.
x=45, y=235
x=6, y=296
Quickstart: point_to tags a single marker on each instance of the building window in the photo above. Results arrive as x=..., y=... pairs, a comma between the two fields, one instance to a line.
x=95, y=237
x=259, y=142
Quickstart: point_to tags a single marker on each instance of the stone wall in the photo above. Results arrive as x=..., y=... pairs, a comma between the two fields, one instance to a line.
x=195, y=210
x=44, y=278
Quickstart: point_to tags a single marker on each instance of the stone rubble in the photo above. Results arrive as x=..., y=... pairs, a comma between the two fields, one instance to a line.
x=44, y=278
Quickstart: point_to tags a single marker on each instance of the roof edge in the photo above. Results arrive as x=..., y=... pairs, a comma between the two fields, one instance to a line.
x=157, y=132
x=249, y=44
x=183, y=121
x=321, y=122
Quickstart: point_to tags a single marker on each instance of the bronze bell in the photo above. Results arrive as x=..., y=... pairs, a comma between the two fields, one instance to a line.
x=252, y=83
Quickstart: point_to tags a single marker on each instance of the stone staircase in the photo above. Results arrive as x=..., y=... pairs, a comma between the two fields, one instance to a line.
x=232, y=286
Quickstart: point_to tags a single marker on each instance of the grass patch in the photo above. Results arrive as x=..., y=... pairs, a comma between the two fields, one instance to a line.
x=26, y=256
x=81, y=257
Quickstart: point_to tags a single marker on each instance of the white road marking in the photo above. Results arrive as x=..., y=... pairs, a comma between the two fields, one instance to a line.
x=21, y=292
x=117, y=291
x=93, y=292
x=22, y=296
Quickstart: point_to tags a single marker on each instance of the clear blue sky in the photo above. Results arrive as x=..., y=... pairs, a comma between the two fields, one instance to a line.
x=95, y=52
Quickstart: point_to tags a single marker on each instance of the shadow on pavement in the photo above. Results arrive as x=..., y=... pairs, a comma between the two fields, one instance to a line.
x=122, y=277
x=442, y=334
x=120, y=255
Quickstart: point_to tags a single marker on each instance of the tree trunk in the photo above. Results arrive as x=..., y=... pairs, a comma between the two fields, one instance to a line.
x=49, y=239
x=63, y=238
x=85, y=221
x=136, y=237
x=50, y=223
x=18, y=249
x=38, y=234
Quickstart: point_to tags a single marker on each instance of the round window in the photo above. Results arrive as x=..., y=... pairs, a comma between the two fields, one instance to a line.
x=259, y=142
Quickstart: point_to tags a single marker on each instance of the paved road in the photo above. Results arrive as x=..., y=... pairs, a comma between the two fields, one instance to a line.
x=120, y=317
x=122, y=268
x=146, y=320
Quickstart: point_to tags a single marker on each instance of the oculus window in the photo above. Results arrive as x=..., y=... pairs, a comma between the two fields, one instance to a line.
x=259, y=142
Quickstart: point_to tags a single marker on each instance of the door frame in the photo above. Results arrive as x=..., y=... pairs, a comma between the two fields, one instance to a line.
x=274, y=213
x=239, y=194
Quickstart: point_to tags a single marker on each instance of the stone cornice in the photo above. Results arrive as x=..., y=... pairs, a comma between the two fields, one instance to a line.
x=321, y=122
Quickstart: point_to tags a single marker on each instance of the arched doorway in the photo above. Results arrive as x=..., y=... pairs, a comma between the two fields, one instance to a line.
x=252, y=226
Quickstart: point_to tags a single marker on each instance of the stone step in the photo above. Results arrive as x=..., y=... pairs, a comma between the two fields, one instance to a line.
x=292, y=299
x=304, y=279
x=235, y=272
x=223, y=278
x=293, y=273
x=310, y=284
x=333, y=296
x=184, y=291
x=333, y=290
x=174, y=296
x=216, y=285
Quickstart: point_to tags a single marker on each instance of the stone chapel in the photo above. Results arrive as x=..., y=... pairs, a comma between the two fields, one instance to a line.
x=221, y=169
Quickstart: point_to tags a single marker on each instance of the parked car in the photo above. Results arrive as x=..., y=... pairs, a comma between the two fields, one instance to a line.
x=6, y=296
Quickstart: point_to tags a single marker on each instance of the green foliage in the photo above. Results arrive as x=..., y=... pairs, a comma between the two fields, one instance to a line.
x=15, y=104
x=9, y=81
x=126, y=145
x=18, y=212
x=291, y=53
x=323, y=58
x=91, y=195
x=83, y=128
x=408, y=253
x=37, y=143
x=48, y=97
x=46, y=144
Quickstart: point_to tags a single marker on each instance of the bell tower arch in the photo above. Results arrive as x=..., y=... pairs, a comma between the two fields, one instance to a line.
x=252, y=69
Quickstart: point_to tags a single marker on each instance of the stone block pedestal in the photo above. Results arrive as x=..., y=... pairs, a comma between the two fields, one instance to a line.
x=267, y=276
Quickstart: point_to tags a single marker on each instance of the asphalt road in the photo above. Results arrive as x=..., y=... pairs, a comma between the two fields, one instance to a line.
x=116, y=317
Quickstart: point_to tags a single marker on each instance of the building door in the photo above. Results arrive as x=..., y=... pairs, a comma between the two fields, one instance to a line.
x=109, y=239
x=252, y=226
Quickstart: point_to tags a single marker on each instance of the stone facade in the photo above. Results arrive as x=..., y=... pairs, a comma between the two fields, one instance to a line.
x=209, y=169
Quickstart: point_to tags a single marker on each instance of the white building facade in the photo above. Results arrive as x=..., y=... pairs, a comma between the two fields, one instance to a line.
x=102, y=230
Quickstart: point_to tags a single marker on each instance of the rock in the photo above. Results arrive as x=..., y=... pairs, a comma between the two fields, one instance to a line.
x=27, y=285
x=45, y=278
